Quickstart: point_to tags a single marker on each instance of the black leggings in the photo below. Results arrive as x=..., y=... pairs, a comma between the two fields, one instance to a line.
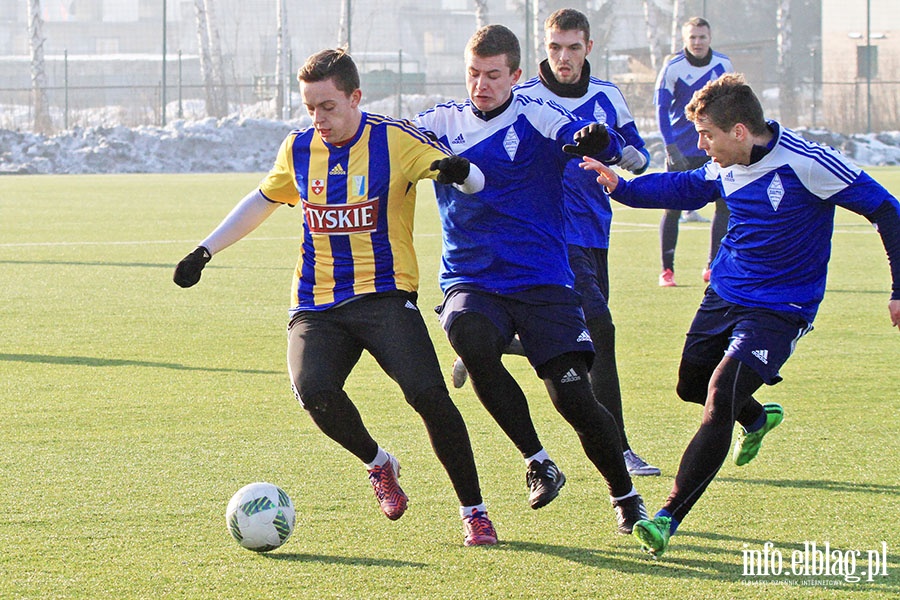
x=324, y=347
x=337, y=417
x=605, y=373
x=729, y=395
x=668, y=233
x=480, y=345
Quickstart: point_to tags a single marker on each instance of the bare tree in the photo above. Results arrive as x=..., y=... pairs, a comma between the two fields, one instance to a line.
x=534, y=34
x=205, y=59
x=281, y=58
x=481, y=13
x=217, y=73
x=677, y=19
x=539, y=15
x=601, y=24
x=344, y=26
x=654, y=39
x=787, y=97
x=42, y=123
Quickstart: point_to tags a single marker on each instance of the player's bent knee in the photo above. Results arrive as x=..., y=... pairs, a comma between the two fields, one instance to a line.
x=693, y=382
x=476, y=339
x=690, y=392
x=724, y=404
x=320, y=401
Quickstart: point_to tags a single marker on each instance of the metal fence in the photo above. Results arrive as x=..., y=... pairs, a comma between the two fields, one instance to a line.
x=858, y=106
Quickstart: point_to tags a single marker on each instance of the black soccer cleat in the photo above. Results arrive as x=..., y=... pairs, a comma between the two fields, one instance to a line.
x=628, y=512
x=544, y=480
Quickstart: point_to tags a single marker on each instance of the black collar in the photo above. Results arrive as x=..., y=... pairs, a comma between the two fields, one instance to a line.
x=698, y=62
x=487, y=116
x=565, y=90
x=758, y=152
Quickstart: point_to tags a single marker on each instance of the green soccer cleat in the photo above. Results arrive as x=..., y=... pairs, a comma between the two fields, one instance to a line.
x=654, y=535
x=747, y=445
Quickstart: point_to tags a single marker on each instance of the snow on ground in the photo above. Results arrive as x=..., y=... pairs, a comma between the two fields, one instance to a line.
x=249, y=144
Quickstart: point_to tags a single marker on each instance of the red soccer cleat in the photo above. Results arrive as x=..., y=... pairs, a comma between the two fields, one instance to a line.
x=667, y=278
x=387, y=489
x=479, y=529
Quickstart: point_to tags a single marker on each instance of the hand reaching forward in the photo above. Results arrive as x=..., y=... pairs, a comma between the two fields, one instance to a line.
x=605, y=176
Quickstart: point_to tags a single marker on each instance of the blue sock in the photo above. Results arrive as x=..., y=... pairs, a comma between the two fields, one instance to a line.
x=758, y=423
x=673, y=523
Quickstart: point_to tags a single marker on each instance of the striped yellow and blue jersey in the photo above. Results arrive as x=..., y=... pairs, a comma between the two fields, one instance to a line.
x=358, y=203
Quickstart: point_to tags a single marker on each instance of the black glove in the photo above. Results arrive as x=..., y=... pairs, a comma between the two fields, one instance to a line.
x=453, y=169
x=589, y=140
x=187, y=273
x=676, y=159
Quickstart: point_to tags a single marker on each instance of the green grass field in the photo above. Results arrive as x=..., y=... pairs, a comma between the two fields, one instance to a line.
x=131, y=410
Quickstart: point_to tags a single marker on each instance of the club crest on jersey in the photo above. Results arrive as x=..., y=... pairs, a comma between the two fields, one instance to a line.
x=511, y=143
x=359, y=185
x=341, y=219
x=317, y=186
x=775, y=191
x=599, y=113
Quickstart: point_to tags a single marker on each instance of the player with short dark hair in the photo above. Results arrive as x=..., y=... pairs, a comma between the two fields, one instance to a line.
x=355, y=285
x=565, y=78
x=505, y=270
x=768, y=277
x=682, y=75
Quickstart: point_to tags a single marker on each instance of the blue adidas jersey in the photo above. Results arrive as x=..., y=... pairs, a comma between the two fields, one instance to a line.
x=775, y=254
x=588, y=212
x=511, y=235
x=675, y=85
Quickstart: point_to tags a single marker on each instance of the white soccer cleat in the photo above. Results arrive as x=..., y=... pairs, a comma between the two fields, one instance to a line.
x=459, y=374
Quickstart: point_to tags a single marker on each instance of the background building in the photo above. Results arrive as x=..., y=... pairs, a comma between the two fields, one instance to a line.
x=801, y=55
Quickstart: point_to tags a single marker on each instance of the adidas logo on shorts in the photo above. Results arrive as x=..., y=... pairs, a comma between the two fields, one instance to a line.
x=762, y=355
x=411, y=306
x=584, y=336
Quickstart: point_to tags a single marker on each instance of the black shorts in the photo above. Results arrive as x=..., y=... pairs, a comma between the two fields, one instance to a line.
x=761, y=338
x=548, y=319
x=324, y=346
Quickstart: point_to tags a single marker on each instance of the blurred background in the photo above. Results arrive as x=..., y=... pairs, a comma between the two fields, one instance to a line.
x=817, y=64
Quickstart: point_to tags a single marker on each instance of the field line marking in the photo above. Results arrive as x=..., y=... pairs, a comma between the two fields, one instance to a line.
x=616, y=228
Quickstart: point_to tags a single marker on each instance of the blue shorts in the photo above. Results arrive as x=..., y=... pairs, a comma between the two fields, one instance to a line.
x=761, y=338
x=591, y=268
x=548, y=319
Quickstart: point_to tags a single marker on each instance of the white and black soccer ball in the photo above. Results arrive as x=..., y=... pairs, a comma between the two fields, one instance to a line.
x=260, y=516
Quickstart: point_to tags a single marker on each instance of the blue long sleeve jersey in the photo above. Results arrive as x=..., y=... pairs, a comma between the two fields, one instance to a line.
x=511, y=235
x=776, y=251
x=675, y=85
x=588, y=212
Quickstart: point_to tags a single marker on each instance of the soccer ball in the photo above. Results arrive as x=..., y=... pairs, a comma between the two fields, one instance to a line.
x=260, y=516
